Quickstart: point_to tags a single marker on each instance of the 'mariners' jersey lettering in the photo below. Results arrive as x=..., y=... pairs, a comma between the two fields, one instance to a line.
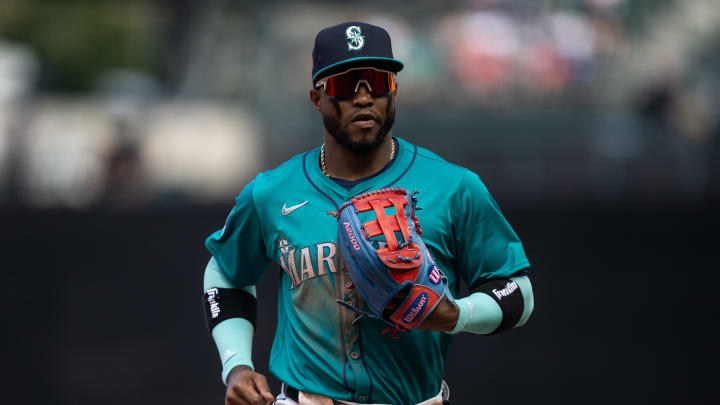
x=323, y=261
x=306, y=268
x=287, y=262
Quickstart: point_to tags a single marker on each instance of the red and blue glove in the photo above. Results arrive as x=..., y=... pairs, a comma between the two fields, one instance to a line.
x=385, y=256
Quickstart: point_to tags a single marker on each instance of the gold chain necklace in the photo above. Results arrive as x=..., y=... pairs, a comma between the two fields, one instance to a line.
x=322, y=156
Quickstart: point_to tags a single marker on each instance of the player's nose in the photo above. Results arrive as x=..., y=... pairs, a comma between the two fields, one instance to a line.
x=362, y=97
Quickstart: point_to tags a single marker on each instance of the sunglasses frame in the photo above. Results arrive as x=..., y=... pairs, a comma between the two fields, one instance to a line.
x=324, y=80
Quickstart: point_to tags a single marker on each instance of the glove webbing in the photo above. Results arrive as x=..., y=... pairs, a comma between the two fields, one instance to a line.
x=384, y=225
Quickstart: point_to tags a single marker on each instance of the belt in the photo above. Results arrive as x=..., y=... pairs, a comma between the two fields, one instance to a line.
x=294, y=394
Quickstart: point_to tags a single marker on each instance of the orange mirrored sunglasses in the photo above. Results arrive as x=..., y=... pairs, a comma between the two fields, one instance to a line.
x=344, y=85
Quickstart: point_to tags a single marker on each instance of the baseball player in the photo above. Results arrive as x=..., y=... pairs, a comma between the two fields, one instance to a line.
x=325, y=350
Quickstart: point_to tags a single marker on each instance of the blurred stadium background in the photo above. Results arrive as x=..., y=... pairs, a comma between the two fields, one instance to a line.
x=126, y=129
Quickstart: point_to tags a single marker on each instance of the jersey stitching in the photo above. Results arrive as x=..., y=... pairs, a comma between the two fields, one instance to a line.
x=367, y=372
x=257, y=213
x=337, y=207
x=453, y=222
x=432, y=156
x=342, y=329
x=407, y=168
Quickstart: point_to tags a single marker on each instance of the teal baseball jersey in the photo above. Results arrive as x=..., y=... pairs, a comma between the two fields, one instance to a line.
x=282, y=217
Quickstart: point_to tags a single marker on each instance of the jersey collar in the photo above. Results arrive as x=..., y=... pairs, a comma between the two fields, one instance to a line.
x=406, y=154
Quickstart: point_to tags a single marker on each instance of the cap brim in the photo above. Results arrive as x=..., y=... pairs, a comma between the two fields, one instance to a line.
x=390, y=64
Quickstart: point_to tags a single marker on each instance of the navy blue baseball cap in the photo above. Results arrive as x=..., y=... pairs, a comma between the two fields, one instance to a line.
x=350, y=45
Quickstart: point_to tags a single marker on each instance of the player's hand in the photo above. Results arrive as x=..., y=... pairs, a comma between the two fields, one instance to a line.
x=443, y=318
x=246, y=387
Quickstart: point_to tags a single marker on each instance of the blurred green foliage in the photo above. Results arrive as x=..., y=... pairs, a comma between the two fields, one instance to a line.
x=77, y=41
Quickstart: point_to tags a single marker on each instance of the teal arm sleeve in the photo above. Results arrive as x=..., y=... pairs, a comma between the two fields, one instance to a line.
x=527, y=293
x=481, y=314
x=233, y=337
x=478, y=314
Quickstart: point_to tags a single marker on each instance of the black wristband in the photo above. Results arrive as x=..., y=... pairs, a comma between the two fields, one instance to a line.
x=226, y=303
x=508, y=295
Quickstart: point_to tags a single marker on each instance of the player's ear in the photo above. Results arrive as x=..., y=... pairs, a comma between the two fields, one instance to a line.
x=315, y=97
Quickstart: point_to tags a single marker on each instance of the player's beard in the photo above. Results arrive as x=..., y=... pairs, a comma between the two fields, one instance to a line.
x=334, y=127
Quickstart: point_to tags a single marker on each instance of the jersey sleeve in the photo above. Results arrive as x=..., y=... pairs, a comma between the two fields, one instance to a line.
x=487, y=246
x=239, y=247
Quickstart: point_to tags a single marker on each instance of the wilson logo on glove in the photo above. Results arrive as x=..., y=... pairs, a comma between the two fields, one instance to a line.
x=400, y=264
x=416, y=308
x=434, y=275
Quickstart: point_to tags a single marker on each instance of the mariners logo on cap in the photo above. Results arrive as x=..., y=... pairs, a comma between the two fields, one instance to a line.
x=357, y=41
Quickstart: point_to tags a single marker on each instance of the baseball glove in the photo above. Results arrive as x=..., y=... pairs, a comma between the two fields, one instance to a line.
x=381, y=266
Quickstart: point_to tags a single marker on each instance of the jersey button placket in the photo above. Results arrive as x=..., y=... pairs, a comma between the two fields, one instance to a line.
x=363, y=379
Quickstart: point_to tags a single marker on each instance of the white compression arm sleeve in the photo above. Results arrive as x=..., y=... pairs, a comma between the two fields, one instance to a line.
x=481, y=314
x=233, y=337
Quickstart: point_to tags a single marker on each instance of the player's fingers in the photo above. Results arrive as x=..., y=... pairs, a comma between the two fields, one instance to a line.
x=247, y=391
x=263, y=388
x=237, y=401
x=233, y=398
x=394, y=303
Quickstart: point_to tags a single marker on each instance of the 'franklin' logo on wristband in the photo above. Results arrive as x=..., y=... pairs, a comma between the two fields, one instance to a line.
x=509, y=289
x=212, y=295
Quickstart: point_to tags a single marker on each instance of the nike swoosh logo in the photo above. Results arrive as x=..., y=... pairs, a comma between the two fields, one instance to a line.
x=287, y=210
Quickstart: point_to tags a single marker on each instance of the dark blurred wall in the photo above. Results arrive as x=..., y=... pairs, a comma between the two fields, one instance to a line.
x=105, y=308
